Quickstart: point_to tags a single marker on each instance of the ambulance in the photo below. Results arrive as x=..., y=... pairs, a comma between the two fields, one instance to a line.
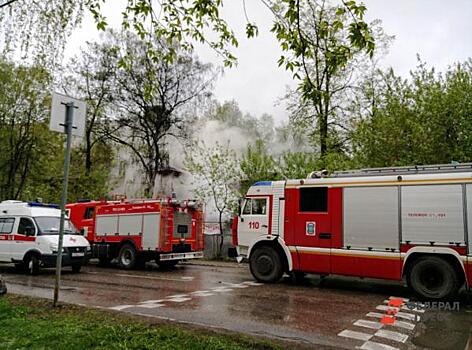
x=29, y=236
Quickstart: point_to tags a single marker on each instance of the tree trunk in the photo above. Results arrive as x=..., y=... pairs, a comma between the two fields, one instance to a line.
x=222, y=237
x=323, y=134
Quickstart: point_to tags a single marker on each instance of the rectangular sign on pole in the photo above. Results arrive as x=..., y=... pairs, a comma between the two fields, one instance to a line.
x=67, y=116
x=58, y=113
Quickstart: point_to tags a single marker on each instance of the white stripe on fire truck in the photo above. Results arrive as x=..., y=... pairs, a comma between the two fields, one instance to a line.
x=346, y=252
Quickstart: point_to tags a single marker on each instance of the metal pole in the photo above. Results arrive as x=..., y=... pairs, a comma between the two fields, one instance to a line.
x=68, y=127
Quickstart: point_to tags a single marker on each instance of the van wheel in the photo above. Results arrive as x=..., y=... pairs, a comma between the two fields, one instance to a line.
x=127, y=257
x=76, y=268
x=434, y=278
x=266, y=265
x=32, y=264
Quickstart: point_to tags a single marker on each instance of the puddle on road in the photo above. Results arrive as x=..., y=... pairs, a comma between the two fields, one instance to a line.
x=444, y=330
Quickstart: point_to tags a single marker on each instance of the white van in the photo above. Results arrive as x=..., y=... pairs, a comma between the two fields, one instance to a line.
x=29, y=236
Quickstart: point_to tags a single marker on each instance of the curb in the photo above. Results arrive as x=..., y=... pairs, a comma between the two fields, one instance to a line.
x=213, y=263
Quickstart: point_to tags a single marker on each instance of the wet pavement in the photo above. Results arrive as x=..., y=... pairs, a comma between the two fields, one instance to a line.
x=335, y=311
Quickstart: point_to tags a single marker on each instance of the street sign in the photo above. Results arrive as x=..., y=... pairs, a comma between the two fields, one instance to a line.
x=58, y=113
x=67, y=116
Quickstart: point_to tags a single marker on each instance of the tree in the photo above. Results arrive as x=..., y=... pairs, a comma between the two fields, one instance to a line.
x=422, y=120
x=181, y=22
x=39, y=29
x=321, y=41
x=23, y=107
x=153, y=101
x=92, y=79
x=216, y=175
x=256, y=165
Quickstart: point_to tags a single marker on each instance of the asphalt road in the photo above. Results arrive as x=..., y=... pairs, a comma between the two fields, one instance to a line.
x=339, y=312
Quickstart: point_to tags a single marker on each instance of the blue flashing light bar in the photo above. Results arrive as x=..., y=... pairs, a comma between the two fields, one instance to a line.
x=36, y=204
x=263, y=183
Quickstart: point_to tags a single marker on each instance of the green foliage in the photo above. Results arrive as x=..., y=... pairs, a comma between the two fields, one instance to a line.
x=28, y=324
x=256, y=165
x=320, y=40
x=422, y=121
x=32, y=157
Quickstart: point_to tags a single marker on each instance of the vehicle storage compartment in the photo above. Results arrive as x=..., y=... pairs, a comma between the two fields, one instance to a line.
x=433, y=214
x=371, y=218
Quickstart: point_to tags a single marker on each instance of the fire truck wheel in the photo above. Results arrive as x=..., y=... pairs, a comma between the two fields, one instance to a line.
x=266, y=265
x=434, y=278
x=127, y=257
x=76, y=268
x=32, y=264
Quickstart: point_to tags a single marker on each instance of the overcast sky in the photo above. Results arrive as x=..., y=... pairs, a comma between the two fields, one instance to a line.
x=438, y=31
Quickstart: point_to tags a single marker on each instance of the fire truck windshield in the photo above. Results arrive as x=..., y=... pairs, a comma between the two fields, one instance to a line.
x=49, y=225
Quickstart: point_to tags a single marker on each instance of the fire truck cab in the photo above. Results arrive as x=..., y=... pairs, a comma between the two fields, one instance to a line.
x=29, y=237
x=405, y=223
x=137, y=231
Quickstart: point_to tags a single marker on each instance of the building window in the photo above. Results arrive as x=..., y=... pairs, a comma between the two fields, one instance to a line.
x=314, y=199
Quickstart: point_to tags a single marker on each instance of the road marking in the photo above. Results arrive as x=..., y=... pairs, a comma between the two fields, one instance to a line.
x=368, y=324
x=177, y=296
x=150, y=306
x=178, y=300
x=236, y=285
x=355, y=335
x=395, y=336
x=157, y=278
x=202, y=293
x=221, y=289
x=370, y=345
x=407, y=316
x=417, y=307
x=121, y=307
x=152, y=301
x=375, y=314
x=386, y=308
x=250, y=283
x=403, y=324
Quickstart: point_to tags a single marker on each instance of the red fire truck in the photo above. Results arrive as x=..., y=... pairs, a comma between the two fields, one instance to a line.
x=136, y=231
x=404, y=223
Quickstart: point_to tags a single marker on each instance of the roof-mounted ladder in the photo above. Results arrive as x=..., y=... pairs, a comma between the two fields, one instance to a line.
x=404, y=170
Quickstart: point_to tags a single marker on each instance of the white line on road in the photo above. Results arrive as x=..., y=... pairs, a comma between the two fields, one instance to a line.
x=404, y=325
x=355, y=335
x=202, y=293
x=121, y=307
x=152, y=301
x=368, y=324
x=221, y=289
x=236, y=285
x=370, y=345
x=157, y=278
x=178, y=300
x=150, y=306
x=250, y=283
x=395, y=336
x=399, y=314
x=417, y=307
x=177, y=296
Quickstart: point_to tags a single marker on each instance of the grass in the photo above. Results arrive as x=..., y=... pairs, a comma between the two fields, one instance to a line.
x=27, y=323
